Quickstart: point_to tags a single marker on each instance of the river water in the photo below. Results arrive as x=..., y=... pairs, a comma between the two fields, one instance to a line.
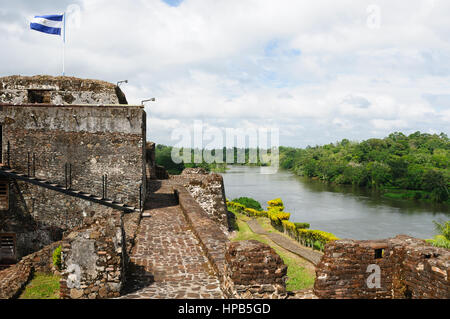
x=345, y=211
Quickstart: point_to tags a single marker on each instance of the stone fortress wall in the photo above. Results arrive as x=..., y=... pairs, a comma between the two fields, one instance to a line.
x=406, y=267
x=59, y=129
x=208, y=191
x=45, y=89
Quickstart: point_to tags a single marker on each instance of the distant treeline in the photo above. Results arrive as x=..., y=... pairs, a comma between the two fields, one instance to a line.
x=239, y=156
x=414, y=166
x=418, y=163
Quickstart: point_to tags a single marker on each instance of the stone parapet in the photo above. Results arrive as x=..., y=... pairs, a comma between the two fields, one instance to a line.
x=400, y=267
x=58, y=90
x=254, y=270
x=209, y=192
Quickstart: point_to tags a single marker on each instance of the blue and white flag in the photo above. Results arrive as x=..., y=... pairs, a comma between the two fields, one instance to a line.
x=51, y=24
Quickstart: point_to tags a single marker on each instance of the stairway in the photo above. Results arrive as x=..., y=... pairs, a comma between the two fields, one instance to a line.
x=10, y=173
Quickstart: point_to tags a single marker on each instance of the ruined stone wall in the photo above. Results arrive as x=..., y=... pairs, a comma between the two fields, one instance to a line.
x=408, y=268
x=254, y=270
x=94, y=140
x=14, y=278
x=424, y=271
x=247, y=269
x=59, y=90
x=208, y=191
x=93, y=258
x=151, y=160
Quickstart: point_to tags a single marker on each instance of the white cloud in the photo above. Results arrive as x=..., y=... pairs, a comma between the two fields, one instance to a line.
x=313, y=69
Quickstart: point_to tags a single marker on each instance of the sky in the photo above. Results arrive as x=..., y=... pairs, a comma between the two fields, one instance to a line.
x=319, y=71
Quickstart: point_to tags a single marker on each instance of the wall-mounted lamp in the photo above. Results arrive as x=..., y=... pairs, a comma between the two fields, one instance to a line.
x=124, y=81
x=149, y=100
x=33, y=117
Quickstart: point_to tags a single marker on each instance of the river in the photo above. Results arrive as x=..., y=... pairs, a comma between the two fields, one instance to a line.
x=345, y=211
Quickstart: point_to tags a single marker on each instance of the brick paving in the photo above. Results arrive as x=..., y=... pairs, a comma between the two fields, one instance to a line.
x=288, y=244
x=167, y=260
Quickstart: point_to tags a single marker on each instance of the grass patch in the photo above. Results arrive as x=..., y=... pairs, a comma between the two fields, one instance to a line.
x=301, y=274
x=42, y=286
x=398, y=193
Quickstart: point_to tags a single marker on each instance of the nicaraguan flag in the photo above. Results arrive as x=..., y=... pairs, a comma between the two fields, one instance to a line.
x=51, y=24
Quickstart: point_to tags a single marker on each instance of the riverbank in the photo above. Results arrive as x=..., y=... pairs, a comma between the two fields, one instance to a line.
x=389, y=192
x=346, y=211
x=406, y=194
x=418, y=162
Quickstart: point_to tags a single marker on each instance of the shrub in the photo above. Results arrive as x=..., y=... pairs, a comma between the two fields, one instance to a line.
x=443, y=239
x=275, y=203
x=439, y=241
x=317, y=245
x=250, y=212
x=277, y=216
x=238, y=207
x=283, y=215
x=279, y=219
x=57, y=257
x=443, y=229
x=273, y=217
x=249, y=203
x=288, y=226
x=302, y=225
x=309, y=237
x=263, y=214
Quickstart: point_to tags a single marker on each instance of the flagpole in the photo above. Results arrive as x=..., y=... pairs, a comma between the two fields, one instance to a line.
x=64, y=44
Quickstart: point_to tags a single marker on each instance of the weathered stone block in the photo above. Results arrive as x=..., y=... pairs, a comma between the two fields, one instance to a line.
x=408, y=269
x=253, y=270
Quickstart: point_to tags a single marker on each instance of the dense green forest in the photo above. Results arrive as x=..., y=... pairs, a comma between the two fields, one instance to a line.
x=164, y=158
x=417, y=164
x=414, y=166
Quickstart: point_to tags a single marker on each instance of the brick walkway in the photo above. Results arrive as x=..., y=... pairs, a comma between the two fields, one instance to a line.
x=288, y=244
x=167, y=260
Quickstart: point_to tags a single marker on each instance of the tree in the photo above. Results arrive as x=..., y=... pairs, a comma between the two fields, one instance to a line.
x=248, y=202
x=434, y=181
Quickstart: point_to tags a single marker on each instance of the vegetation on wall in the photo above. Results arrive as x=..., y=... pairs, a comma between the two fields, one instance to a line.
x=57, y=257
